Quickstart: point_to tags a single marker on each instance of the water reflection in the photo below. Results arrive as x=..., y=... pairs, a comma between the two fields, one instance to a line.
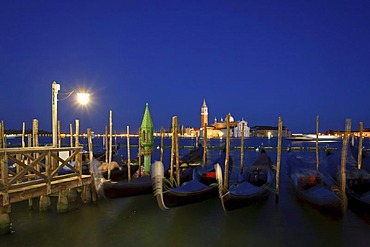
x=137, y=221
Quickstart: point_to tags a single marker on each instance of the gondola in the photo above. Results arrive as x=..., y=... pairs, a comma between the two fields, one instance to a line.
x=190, y=161
x=199, y=188
x=124, y=188
x=119, y=186
x=312, y=185
x=357, y=180
x=254, y=184
x=194, y=157
x=365, y=161
x=120, y=171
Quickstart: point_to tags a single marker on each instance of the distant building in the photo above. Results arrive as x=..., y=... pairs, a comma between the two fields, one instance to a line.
x=356, y=133
x=218, y=129
x=269, y=131
x=203, y=115
x=239, y=128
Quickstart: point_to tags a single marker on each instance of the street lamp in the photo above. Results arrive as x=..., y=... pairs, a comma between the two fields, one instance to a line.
x=83, y=98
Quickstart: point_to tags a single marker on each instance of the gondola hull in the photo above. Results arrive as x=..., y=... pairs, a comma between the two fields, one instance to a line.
x=311, y=185
x=255, y=185
x=365, y=162
x=233, y=199
x=357, y=180
x=175, y=198
x=189, y=192
x=125, y=188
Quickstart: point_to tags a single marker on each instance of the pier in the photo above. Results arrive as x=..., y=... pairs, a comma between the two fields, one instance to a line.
x=38, y=172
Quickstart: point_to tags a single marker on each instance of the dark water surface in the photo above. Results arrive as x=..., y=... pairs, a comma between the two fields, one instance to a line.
x=138, y=221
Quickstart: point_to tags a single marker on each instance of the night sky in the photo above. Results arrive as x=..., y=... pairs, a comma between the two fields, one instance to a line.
x=257, y=60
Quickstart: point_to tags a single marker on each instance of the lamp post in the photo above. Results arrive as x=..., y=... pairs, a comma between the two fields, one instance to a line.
x=54, y=111
x=83, y=99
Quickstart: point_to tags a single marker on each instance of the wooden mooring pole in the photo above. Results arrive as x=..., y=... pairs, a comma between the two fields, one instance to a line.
x=4, y=219
x=278, y=159
x=94, y=193
x=161, y=146
x=317, y=143
x=110, y=143
x=343, y=163
x=205, y=147
x=139, y=151
x=70, y=135
x=177, y=153
x=226, y=175
x=174, y=118
x=359, y=157
x=4, y=210
x=2, y=135
x=129, y=155
x=242, y=150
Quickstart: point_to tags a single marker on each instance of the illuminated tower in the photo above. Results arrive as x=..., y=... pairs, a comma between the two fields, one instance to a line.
x=204, y=115
x=146, y=139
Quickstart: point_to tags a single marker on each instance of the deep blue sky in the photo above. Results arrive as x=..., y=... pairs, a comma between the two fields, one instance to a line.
x=257, y=60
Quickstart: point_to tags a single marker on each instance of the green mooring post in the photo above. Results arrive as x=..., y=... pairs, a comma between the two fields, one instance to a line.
x=146, y=139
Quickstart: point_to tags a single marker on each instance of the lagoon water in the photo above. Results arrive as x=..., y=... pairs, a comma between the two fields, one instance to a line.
x=138, y=221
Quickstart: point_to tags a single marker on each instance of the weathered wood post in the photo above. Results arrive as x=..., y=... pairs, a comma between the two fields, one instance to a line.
x=359, y=157
x=226, y=175
x=59, y=137
x=196, y=140
x=278, y=159
x=29, y=144
x=90, y=145
x=177, y=153
x=205, y=137
x=44, y=201
x=174, y=119
x=139, y=153
x=4, y=220
x=110, y=143
x=86, y=194
x=147, y=139
x=129, y=154
x=106, y=144
x=317, y=143
x=35, y=132
x=29, y=140
x=23, y=134
x=71, y=135
x=2, y=135
x=4, y=209
x=62, y=204
x=94, y=192
x=343, y=163
x=242, y=150
x=161, y=146
x=30, y=201
x=77, y=140
x=115, y=142
x=110, y=140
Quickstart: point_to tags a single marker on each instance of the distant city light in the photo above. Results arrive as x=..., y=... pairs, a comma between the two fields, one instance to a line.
x=269, y=135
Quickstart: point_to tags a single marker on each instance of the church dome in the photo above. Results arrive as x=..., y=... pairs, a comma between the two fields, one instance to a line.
x=231, y=118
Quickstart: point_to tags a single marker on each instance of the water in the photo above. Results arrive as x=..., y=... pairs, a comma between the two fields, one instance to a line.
x=137, y=221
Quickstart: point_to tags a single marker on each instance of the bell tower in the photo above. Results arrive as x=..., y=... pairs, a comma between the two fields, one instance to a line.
x=204, y=115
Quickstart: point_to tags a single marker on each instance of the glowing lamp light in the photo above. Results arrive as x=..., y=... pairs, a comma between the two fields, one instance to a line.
x=83, y=98
x=269, y=135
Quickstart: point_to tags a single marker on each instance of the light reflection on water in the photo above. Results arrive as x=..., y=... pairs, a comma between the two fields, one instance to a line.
x=137, y=221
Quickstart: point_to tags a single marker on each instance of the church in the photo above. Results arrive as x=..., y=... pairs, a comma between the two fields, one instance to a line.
x=218, y=128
